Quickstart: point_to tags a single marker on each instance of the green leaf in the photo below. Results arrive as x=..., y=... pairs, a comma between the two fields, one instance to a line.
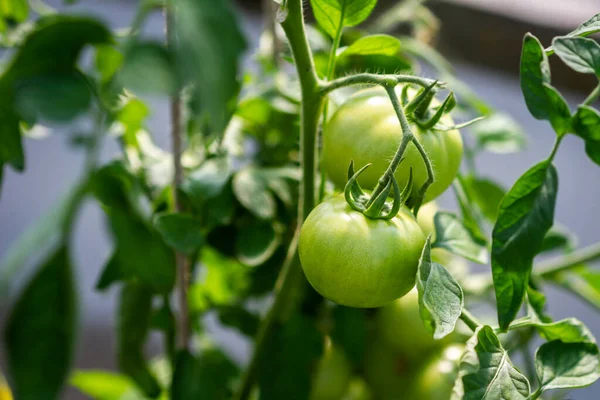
x=373, y=44
x=180, y=231
x=499, y=133
x=54, y=98
x=350, y=331
x=336, y=14
x=440, y=296
x=112, y=272
x=471, y=216
x=148, y=67
x=569, y=330
x=101, y=385
x=205, y=377
x=155, y=266
x=39, y=334
x=592, y=149
x=252, y=192
x=11, y=147
x=581, y=54
x=210, y=46
x=240, y=318
x=14, y=10
x=108, y=61
x=589, y=27
x=131, y=116
x=586, y=123
x=543, y=101
x=257, y=242
x=486, y=194
x=582, y=282
x=452, y=235
x=43, y=235
x=286, y=364
x=116, y=188
x=567, y=365
x=207, y=181
x=133, y=325
x=486, y=371
x=526, y=215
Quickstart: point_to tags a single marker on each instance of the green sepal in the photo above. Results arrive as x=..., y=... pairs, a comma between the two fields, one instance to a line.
x=353, y=192
x=375, y=209
x=448, y=105
x=426, y=95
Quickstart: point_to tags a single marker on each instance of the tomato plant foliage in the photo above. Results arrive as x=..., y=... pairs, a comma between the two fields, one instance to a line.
x=286, y=208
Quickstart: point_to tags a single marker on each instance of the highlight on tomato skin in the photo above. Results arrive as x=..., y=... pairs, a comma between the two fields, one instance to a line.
x=356, y=261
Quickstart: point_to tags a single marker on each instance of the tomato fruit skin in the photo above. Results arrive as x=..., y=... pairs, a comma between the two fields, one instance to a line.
x=366, y=129
x=435, y=380
x=332, y=376
x=356, y=261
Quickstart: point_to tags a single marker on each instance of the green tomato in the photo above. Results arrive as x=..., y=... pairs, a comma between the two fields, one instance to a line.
x=457, y=266
x=399, y=325
x=357, y=261
x=387, y=372
x=358, y=390
x=366, y=129
x=436, y=379
x=332, y=376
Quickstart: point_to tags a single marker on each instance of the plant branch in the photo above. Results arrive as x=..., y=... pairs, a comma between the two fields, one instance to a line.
x=593, y=96
x=291, y=275
x=549, y=268
x=470, y=320
x=375, y=79
x=181, y=260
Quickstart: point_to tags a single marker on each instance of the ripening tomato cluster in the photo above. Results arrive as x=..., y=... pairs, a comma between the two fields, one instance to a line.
x=349, y=258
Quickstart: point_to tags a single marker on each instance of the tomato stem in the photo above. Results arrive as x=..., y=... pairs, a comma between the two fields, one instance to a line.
x=374, y=79
x=470, y=320
x=593, y=96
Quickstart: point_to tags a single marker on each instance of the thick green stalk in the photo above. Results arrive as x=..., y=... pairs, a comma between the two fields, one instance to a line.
x=593, y=96
x=291, y=276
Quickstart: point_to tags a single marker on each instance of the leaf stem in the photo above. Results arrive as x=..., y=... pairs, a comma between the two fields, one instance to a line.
x=549, y=268
x=555, y=147
x=593, y=96
x=470, y=320
x=291, y=275
x=374, y=79
x=181, y=261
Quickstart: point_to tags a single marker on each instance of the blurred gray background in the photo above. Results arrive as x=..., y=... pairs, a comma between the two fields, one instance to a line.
x=482, y=39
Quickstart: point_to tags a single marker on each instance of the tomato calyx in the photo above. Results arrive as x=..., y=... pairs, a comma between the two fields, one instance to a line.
x=375, y=206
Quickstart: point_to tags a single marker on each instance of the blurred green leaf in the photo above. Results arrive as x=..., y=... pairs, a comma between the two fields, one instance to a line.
x=543, y=101
x=286, y=364
x=148, y=67
x=207, y=376
x=210, y=45
x=180, y=231
x=581, y=54
x=592, y=149
x=336, y=14
x=526, y=215
x=252, y=192
x=101, y=385
x=567, y=365
x=130, y=116
x=499, y=133
x=583, y=282
x=257, y=242
x=471, y=216
x=350, y=332
x=133, y=325
x=240, y=318
x=487, y=372
x=440, y=296
x=486, y=194
x=108, y=61
x=112, y=272
x=558, y=239
x=207, y=181
x=40, y=331
x=373, y=44
x=14, y=10
x=452, y=235
x=569, y=330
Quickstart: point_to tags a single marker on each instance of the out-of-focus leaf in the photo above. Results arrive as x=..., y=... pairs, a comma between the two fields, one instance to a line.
x=567, y=365
x=350, y=332
x=589, y=27
x=525, y=217
x=257, y=242
x=452, y=235
x=207, y=181
x=286, y=364
x=252, y=192
x=180, y=231
x=240, y=318
x=498, y=133
x=486, y=194
x=133, y=325
x=148, y=67
x=108, y=61
x=592, y=149
x=471, y=217
x=558, y=239
x=440, y=296
x=210, y=45
x=112, y=272
x=583, y=282
x=207, y=376
x=487, y=372
x=40, y=331
x=336, y=14
x=14, y=10
x=102, y=385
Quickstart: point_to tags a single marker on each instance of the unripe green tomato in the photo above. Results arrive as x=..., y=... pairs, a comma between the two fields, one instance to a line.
x=399, y=325
x=358, y=390
x=366, y=129
x=388, y=373
x=357, y=261
x=436, y=379
x=332, y=376
x=457, y=266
